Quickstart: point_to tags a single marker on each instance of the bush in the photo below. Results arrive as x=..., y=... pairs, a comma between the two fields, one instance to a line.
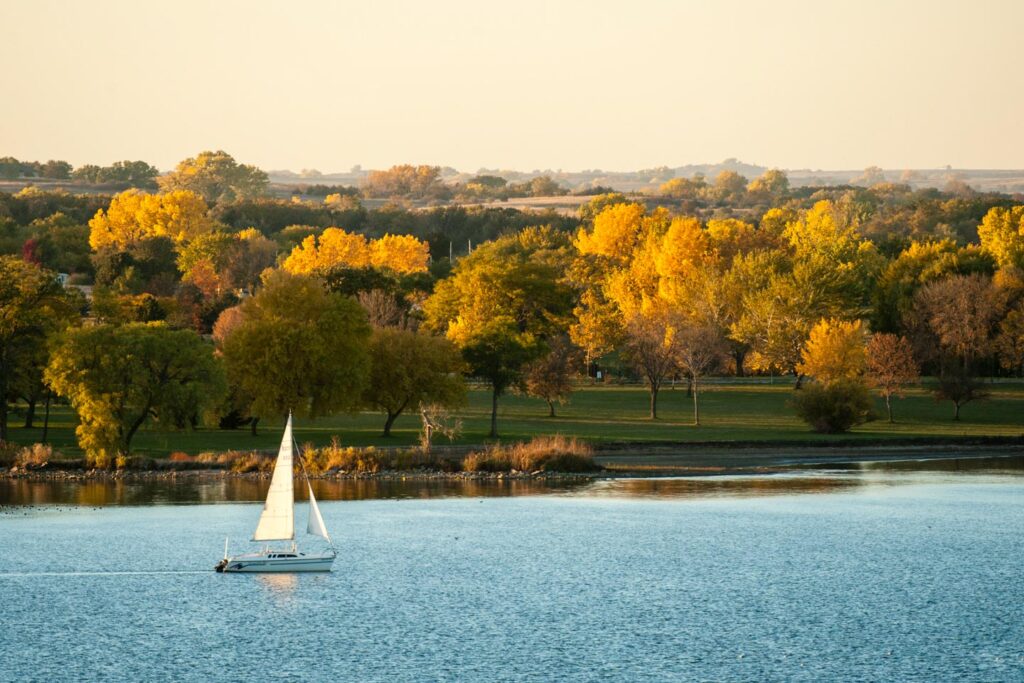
x=35, y=455
x=178, y=456
x=134, y=462
x=543, y=453
x=835, y=407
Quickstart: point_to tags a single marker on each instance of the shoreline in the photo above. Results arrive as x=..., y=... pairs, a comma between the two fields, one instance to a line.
x=641, y=461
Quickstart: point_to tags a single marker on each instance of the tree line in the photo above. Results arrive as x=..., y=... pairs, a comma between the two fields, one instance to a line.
x=230, y=324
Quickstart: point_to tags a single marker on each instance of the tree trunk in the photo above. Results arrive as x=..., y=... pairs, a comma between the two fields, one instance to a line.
x=3, y=394
x=46, y=416
x=390, y=421
x=127, y=438
x=551, y=407
x=689, y=386
x=956, y=411
x=30, y=414
x=888, y=406
x=799, y=381
x=252, y=425
x=654, y=402
x=696, y=408
x=494, y=414
x=739, y=357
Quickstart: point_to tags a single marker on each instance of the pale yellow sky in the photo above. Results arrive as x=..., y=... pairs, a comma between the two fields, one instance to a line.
x=573, y=85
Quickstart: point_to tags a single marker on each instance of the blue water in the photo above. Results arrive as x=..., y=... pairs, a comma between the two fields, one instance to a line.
x=903, y=577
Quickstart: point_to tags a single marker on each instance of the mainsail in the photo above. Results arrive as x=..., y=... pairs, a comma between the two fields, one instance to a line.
x=277, y=523
x=316, y=522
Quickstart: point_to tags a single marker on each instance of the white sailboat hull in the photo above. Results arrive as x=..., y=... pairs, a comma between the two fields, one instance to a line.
x=266, y=562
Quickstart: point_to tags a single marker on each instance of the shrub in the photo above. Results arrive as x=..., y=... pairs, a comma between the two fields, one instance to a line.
x=835, y=407
x=134, y=462
x=178, y=456
x=37, y=454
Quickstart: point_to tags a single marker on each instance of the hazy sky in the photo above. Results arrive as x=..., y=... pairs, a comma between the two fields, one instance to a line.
x=572, y=85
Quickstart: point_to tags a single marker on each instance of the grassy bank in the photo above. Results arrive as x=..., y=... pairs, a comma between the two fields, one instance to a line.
x=729, y=412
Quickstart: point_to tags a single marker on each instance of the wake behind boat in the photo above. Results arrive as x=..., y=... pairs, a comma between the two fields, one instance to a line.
x=277, y=523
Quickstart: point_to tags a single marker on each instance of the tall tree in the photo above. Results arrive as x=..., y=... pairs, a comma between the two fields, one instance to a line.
x=700, y=349
x=890, y=366
x=135, y=216
x=550, y=377
x=649, y=344
x=33, y=306
x=502, y=303
x=409, y=369
x=297, y=348
x=1002, y=234
x=834, y=351
x=217, y=177
x=117, y=378
x=953, y=321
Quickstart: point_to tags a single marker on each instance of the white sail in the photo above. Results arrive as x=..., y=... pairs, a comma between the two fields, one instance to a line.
x=277, y=523
x=316, y=525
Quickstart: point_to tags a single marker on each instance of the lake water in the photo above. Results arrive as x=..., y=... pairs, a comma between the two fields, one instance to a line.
x=877, y=573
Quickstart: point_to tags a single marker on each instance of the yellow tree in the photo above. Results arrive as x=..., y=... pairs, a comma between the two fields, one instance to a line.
x=400, y=253
x=614, y=233
x=134, y=216
x=334, y=247
x=1002, y=234
x=835, y=356
x=834, y=351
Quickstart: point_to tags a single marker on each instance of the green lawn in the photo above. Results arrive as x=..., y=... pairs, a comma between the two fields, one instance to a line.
x=734, y=412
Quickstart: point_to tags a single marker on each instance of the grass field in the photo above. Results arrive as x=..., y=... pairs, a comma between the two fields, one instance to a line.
x=730, y=412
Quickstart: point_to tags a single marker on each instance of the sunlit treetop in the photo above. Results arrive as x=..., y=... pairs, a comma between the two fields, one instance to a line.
x=337, y=247
x=134, y=216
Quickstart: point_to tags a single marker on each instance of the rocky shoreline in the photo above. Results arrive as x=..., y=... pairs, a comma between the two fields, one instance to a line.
x=79, y=475
x=645, y=460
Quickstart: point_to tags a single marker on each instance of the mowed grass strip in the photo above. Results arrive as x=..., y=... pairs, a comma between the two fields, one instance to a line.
x=729, y=412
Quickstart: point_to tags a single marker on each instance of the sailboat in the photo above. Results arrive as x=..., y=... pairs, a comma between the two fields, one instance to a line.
x=277, y=523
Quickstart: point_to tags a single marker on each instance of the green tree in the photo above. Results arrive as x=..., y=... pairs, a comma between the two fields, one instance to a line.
x=496, y=352
x=117, y=378
x=33, y=305
x=217, y=177
x=297, y=348
x=502, y=303
x=409, y=369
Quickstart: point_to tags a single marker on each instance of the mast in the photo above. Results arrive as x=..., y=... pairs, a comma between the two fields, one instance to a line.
x=315, y=526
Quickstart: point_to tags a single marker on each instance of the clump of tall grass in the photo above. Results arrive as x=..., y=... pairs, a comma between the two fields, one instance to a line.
x=369, y=459
x=542, y=453
x=238, y=461
x=36, y=455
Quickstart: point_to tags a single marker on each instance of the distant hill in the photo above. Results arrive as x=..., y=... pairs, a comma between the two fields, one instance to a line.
x=1010, y=181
